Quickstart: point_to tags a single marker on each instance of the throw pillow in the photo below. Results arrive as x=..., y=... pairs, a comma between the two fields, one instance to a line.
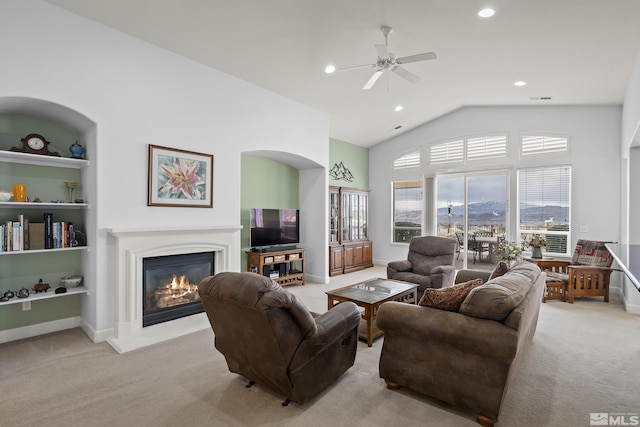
x=449, y=299
x=500, y=269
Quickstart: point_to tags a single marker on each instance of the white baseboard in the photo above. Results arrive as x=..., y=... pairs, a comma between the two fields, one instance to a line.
x=628, y=307
x=39, y=329
x=96, y=336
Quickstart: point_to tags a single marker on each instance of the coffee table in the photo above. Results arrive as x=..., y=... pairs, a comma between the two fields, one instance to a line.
x=369, y=295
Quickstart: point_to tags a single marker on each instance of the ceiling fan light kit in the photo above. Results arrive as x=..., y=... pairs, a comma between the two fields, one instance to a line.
x=388, y=61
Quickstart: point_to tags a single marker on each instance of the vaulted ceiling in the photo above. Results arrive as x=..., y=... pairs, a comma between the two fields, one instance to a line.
x=575, y=52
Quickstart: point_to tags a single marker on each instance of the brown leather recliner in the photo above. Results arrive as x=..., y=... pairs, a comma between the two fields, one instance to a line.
x=429, y=263
x=267, y=335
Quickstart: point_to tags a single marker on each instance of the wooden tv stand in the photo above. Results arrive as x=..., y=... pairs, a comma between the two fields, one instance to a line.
x=285, y=267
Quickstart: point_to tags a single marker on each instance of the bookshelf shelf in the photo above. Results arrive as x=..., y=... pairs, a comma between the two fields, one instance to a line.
x=41, y=251
x=46, y=295
x=38, y=205
x=34, y=159
x=51, y=264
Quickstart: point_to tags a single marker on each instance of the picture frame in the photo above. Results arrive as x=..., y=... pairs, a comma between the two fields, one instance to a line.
x=179, y=178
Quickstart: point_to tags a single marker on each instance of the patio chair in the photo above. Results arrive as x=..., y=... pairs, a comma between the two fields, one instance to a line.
x=479, y=247
x=460, y=245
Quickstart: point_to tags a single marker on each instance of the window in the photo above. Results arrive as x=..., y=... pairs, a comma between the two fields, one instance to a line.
x=407, y=210
x=486, y=147
x=410, y=160
x=468, y=149
x=544, y=207
x=447, y=152
x=543, y=144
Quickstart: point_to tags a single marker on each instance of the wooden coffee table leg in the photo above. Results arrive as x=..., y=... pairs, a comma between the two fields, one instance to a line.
x=368, y=317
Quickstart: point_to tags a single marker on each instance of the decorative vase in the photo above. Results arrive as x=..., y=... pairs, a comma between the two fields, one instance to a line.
x=70, y=186
x=19, y=193
x=536, y=252
x=76, y=150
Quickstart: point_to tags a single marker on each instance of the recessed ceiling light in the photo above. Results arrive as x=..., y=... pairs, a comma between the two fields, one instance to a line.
x=520, y=83
x=486, y=13
x=329, y=69
x=398, y=108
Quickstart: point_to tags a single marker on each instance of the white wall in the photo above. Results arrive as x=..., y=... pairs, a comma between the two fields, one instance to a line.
x=136, y=95
x=595, y=157
x=631, y=112
x=630, y=226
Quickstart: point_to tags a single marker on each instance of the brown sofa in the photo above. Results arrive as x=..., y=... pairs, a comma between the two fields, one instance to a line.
x=430, y=263
x=466, y=358
x=268, y=336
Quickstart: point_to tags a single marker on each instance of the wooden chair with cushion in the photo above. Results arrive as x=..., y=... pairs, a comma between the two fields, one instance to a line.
x=557, y=278
x=586, y=275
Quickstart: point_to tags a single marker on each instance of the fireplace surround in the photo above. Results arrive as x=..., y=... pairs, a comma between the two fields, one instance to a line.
x=131, y=246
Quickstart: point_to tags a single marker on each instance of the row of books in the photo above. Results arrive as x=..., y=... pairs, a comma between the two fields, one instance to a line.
x=22, y=235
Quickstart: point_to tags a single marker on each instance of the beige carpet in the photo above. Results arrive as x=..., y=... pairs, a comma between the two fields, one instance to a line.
x=584, y=358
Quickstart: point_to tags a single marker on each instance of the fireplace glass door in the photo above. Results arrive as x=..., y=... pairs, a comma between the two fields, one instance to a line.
x=170, y=285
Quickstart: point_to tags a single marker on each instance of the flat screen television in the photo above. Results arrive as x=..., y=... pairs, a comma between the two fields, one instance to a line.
x=272, y=227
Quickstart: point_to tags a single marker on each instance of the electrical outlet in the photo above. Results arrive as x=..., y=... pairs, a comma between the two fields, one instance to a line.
x=584, y=228
x=26, y=305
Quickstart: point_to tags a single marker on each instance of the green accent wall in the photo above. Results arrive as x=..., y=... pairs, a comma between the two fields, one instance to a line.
x=354, y=158
x=265, y=183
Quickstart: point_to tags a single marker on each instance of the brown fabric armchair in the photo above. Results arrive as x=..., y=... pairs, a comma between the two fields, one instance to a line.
x=429, y=263
x=268, y=336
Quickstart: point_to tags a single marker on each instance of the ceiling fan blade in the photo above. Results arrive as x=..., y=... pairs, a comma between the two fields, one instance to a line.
x=407, y=75
x=372, y=80
x=355, y=67
x=382, y=51
x=415, y=58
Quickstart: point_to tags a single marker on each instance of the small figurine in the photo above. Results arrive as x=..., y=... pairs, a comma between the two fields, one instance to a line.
x=40, y=287
x=23, y=293
x=60, y=290
x=7, y=296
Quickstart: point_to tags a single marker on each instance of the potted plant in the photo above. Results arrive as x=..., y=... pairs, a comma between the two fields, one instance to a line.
x=508, y=251
x=536, y=242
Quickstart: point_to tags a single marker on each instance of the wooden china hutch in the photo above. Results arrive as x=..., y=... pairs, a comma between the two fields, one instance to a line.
x=349, y=246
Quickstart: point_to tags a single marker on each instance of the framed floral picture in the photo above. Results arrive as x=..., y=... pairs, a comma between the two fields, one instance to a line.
x=180, y=178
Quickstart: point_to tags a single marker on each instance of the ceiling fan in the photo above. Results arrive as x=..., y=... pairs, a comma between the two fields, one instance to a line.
x=388, y=61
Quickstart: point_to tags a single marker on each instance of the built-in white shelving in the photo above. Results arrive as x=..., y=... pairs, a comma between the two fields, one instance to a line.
x=45, y=295
x=40, y=160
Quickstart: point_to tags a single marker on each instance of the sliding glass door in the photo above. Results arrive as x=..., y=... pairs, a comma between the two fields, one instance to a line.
x=473, y=210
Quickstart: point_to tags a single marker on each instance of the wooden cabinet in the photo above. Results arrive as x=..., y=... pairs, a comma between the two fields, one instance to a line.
x=349, y=246
x=336, y=260
x=285, y=267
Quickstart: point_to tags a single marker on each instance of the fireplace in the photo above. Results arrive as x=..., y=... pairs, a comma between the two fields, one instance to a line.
x=170, y=286
x=131, y=246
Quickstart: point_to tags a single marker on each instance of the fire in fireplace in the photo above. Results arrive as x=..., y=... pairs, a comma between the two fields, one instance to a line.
x=170, y=285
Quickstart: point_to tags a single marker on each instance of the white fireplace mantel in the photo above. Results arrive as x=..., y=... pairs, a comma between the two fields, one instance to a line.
x=132, y=245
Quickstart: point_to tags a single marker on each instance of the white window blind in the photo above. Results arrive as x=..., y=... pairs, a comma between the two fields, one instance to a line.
x=543, y=144
x=407, y=210
x=486, y=147
x=410, y=160
x=447, y=152
x=544, y=206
